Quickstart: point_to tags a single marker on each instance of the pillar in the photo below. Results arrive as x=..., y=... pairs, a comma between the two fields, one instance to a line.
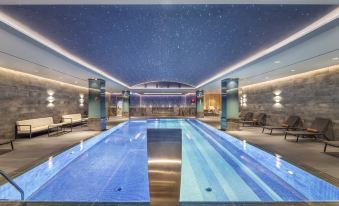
x=200, y=104
x=96, y=104
x=125, y=103
x=229, y=104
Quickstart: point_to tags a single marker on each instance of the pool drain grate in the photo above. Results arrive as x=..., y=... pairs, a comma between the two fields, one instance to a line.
x=208, y=189
x=119, y=189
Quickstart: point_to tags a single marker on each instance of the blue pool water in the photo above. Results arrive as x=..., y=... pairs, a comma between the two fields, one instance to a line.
x=112, y=167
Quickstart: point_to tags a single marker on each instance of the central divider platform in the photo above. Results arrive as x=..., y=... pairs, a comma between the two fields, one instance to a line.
x=164, y=165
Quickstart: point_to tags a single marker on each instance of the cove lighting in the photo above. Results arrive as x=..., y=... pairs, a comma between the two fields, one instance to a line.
x=331, y=16
x=18, y=26
x=164, y=93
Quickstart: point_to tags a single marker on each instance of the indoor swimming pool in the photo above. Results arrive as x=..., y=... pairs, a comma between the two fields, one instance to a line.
x=216, y=167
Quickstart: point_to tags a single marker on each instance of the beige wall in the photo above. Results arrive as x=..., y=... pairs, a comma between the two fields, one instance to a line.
x=309, y=95
x=24, y=96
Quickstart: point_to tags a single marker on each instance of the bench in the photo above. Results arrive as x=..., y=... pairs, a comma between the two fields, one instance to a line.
x=31, y=126
x=73, y=119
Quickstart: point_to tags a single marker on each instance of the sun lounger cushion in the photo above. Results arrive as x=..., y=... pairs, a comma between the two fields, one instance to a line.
x=37, y=125
x=312, y=130
x=71, y=118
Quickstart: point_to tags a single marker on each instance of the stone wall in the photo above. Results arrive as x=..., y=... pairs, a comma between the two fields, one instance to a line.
x=23, y=96
x=309, y=95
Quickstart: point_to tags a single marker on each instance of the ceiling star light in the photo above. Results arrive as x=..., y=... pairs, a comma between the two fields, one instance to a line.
x=331, y=16
x=18, y=26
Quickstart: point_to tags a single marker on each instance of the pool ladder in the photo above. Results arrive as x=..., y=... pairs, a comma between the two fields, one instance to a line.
x=11, y=181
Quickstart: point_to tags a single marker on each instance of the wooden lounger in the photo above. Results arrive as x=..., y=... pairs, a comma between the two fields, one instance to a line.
x=290, y=124
x=318, y=129
x=260, y=120
x=7, y=141
x=331, y=143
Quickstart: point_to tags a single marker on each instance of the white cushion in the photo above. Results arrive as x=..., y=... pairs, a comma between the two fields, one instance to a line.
x=75, y=118
x=39, y=124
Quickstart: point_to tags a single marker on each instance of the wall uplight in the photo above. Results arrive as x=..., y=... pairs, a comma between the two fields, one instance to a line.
x=50, y=99
x=277, y=99
x=243, y=100
x=81, y=100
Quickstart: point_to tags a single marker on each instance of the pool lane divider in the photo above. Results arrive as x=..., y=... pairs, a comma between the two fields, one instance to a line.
x=33, y=179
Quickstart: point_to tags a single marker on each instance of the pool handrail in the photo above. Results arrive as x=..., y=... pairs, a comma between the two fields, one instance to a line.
x=11, y=181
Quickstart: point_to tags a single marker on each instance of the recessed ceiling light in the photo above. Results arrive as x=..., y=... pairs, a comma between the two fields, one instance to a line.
x=277, y=62
x=335, y=58
x=292, y=70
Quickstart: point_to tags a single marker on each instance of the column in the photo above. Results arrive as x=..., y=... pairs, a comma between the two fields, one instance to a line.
x=125, y=103
x=96, y=104
x=229, y=104
x=199, y=104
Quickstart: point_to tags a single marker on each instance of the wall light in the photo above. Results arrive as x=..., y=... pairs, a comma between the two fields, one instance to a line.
x=277, y=99
x=81, y=100
x=50, y=99
x=243, y=100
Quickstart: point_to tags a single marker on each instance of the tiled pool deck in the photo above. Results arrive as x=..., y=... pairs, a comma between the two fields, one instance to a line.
x=307, y=154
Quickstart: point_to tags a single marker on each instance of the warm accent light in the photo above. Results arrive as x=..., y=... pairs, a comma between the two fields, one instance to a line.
x=294, y=76
x=18, y=26
x=81, y=100
x=163, y=93
x=164, y=161
x=26, y=75
x=331, y=16
x=50, y=99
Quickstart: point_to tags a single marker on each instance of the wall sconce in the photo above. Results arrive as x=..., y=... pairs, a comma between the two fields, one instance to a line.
x=81, y=100
x=243, y=100
x=50, y=99
x=277, y=99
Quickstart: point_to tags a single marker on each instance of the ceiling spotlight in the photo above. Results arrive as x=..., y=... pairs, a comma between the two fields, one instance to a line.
x=277, y=62
x=266, y=77
x=292, y=70
x=335, y=58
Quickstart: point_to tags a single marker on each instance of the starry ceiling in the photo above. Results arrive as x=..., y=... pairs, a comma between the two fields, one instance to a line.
x=180, y=43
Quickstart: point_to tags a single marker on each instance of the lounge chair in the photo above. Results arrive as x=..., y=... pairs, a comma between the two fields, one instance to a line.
x=259, y=120
x=7, y=141
x=290, y=124
x=318, y=129
x=247, y=117
x=331, y=143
